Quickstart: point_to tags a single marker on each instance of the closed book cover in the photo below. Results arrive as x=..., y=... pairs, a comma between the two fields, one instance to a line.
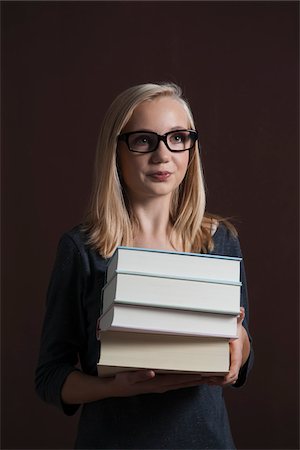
x=122, y=351
x=171, y=292
x=136, y=318
x=174, y=264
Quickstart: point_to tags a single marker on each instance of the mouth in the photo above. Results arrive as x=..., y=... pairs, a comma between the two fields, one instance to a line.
x=160, y=175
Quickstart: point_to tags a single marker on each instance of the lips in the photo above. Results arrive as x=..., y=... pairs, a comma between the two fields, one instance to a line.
x=160, y=175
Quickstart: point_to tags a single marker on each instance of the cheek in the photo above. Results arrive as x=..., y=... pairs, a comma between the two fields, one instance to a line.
x=182, y=163
x=123, y=166
x=129, y=168
x=124, y=158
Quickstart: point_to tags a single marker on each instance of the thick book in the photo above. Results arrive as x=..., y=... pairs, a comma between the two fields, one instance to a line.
x=147, y=319
x=174, y=264
x=187, y=293
x=123, y=351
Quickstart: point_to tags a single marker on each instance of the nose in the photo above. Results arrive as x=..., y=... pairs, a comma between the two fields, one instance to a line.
x=161, y=153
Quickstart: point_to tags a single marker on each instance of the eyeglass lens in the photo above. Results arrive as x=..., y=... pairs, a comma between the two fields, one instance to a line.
x=148, y=141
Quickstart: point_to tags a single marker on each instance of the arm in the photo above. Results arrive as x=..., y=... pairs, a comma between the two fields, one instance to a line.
x=58, y=381
x=63, y=328
x=241, y=352
x=81, y=388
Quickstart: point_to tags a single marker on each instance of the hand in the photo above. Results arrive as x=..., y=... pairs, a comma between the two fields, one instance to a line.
x=237, y=352
x=126, y=384
x=82, y=388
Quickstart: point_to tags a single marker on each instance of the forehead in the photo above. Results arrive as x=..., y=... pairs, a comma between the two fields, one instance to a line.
x=159, y=114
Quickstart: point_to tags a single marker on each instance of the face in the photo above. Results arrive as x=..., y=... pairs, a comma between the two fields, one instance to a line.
x=158, y=173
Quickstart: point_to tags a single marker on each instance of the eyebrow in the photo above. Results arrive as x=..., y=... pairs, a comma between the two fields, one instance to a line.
x=178, y=128
x=144, y=130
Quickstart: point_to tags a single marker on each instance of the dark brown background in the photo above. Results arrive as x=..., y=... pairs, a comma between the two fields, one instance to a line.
x=62, y=64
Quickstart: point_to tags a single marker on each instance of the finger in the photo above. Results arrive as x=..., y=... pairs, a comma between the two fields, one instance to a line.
x=230, y=380
x=139, y=376
x=241, y=316
x=232, y=376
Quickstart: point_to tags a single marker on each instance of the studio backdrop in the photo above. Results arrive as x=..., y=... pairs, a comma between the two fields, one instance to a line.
x=237, y=62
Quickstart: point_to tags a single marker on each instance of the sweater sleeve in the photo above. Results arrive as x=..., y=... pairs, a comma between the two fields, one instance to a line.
x=243, y=374
x=63, y=333
x=229, y=245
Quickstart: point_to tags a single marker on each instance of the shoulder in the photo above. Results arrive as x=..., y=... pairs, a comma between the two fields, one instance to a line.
x=226, y=241
x=75, y=238
x=73, y=244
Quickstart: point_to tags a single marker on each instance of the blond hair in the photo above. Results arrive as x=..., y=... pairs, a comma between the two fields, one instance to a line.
x=109, y=220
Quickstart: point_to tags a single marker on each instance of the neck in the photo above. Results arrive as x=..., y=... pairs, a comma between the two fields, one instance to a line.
x=154, y=227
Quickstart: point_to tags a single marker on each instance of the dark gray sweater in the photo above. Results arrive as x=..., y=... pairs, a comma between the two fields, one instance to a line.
x=190, y=418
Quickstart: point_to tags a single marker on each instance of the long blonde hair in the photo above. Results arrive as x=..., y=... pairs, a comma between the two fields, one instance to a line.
x=109, y=220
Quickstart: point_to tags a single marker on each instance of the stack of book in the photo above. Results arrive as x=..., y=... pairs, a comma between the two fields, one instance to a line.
x=168, y=311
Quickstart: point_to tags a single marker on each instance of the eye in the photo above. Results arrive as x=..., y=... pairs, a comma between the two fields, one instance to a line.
x=141, y=140
x=179, y=137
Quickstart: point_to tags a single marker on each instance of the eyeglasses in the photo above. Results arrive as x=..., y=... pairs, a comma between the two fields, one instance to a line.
x=148, y=141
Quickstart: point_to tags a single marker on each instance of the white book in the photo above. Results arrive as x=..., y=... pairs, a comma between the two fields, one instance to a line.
x=123, y=351
x=174, y=264
x=170, y=292
x=147, y=319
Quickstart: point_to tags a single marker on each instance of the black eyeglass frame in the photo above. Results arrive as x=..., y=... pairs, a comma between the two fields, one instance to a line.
x=124, y=137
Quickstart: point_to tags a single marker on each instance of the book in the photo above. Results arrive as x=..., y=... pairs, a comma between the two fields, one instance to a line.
x=174, y=264
x=125, y=351
x=170, y=292
x=148, y=319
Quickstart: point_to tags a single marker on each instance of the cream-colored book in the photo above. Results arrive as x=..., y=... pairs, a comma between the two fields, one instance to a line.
x=122, y=351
